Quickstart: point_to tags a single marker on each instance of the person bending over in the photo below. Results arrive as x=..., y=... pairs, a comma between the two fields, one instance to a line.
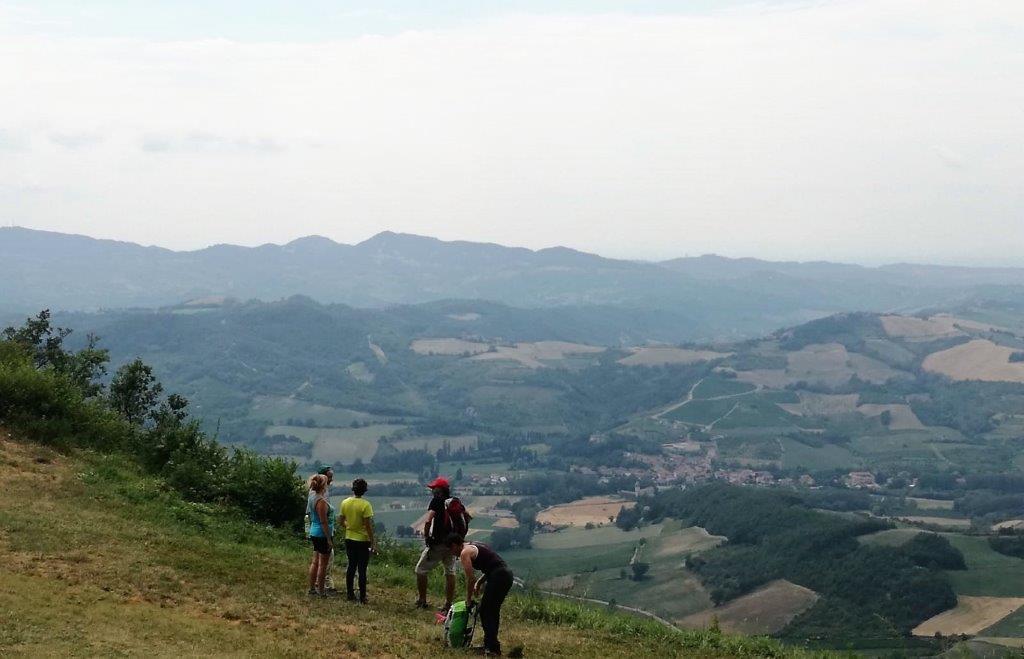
x=495, y=583
x=357, y=520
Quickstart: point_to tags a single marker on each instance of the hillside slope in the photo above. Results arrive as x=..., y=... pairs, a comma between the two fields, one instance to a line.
x=98, y=560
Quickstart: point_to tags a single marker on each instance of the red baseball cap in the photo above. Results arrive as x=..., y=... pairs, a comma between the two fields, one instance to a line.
x=440, y=481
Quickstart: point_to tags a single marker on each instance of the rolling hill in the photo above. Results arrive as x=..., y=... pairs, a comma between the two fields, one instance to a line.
x=684, y=299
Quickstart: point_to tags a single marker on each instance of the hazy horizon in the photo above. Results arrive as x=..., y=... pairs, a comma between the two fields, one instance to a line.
x=855, y=131
x=861, y=262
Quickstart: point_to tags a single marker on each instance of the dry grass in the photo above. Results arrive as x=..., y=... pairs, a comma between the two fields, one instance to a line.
x=589, y=509
x=96, y=563
x=920, y=329
x=1014, y=524
x=970, y=616
x=765, y=611
x=979, y=359
x=660, y=355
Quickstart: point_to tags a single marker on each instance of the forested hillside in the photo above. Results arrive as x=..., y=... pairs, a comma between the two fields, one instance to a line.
x=705, y=298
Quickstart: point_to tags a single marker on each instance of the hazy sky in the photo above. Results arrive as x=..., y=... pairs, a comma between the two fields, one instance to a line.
x=858, y=130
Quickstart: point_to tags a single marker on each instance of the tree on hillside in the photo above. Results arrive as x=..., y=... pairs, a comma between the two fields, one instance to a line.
x=45, y=344
x=640, y=570
x=134, y=391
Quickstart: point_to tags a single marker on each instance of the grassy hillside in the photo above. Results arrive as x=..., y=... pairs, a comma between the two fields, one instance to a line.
x=96, y=558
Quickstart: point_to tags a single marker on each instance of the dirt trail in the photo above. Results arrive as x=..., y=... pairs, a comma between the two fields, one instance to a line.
x=676, y=406
x=732, y=409
x=689, y=399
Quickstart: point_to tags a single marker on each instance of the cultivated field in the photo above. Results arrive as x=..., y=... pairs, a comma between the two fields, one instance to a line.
x=889, y=537
x=830, y=456
x=686, y=541
x=812, y=404
x=577, y=537
x=447, y=347
x=920, y=329
x=988, y=572
x=765, y=611
x=536, y=355
x=434, y=442
x=979, y=359
x=902, y=417
x=831, y=364
x=332, y=445
x=970, y=616
x=947, y=522
x=595, y=510
x=660, y=355
x=1015, y=524
x=278, y=409
x=931, y=504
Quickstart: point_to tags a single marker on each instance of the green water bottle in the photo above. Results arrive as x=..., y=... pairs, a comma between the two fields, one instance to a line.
x=307, y=524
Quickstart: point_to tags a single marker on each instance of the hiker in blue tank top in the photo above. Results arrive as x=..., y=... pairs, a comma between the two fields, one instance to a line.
x=328, y=578
x=321, y=535
x=495, y=584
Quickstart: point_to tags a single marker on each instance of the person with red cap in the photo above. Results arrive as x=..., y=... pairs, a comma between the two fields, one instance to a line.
x=445, y=515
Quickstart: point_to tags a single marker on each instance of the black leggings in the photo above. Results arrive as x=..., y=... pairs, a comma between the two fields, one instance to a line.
x=498, y=583
x=358, y=557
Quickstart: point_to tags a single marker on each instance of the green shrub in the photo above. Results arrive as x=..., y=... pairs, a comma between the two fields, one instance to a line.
x=50, y=395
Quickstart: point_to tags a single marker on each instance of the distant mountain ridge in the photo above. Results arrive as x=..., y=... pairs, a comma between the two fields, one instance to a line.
x=720, y=297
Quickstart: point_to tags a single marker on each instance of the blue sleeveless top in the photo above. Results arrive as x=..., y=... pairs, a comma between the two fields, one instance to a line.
x=315, y=529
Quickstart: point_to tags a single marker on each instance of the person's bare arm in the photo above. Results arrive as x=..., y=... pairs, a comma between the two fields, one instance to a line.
x=466, y=558
x=426, y=525
x=321, y=512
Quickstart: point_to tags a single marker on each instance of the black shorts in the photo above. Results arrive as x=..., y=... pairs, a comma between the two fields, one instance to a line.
x=320, y=545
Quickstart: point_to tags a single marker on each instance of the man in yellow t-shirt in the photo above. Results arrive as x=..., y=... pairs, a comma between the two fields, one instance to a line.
x=357, y=520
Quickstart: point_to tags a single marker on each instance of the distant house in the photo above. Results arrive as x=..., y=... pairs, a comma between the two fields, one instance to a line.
x=861, y=480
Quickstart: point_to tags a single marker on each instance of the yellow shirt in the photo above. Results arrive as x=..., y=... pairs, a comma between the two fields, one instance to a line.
x=356, y=510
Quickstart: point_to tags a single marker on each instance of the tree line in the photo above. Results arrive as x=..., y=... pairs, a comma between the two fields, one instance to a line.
x=56, y=396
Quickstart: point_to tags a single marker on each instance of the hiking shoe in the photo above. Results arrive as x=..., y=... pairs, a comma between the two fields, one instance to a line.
x=351, y=597
x=331, y=590
x=422, y=604
x=329, y=594
x=444, y=609
x=312, y=592
x=363, y=600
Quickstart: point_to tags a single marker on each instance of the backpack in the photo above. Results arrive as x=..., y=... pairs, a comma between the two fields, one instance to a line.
x=458, y=626
x=456, y=517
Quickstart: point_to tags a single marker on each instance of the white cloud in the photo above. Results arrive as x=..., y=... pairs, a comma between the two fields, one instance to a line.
x=863, y=129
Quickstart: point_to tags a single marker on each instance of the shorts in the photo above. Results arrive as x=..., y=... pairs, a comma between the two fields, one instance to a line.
x=320, y=545
x=434, y=554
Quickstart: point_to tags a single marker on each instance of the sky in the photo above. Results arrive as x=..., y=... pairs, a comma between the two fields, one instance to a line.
x=867, y=131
